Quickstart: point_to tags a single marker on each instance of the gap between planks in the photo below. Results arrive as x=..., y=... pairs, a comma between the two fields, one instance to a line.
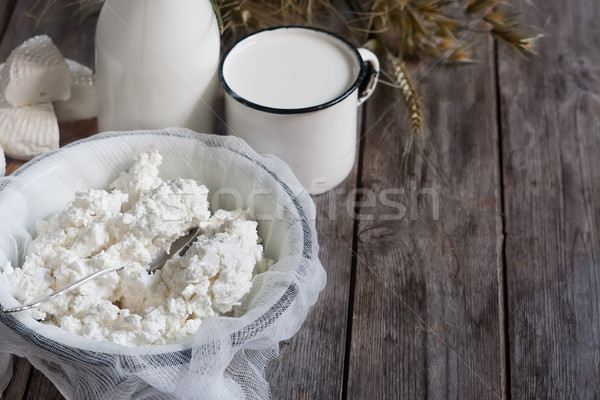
x=502, y=280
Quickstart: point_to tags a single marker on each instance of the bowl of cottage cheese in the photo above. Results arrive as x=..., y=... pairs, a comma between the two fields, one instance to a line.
x=197, y=325
x=127, y=225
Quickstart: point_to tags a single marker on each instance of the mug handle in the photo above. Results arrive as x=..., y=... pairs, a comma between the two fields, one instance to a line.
x=369, y=82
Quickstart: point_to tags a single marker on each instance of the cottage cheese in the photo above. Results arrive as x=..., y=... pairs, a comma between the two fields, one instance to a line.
x=129, y=225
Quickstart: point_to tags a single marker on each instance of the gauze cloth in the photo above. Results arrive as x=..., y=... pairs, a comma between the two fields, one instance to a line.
x=226, y=358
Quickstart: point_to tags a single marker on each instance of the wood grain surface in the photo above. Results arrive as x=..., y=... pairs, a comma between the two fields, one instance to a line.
x=484, y=284
x=6, y=11
x=17, y=389
x=551, y=146
x=311, y=364
x=427, y=305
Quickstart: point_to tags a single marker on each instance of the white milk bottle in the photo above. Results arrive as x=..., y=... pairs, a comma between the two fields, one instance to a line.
x=156, y=64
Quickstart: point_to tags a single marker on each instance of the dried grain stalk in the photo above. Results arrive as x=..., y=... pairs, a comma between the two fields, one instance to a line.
x=412, y=101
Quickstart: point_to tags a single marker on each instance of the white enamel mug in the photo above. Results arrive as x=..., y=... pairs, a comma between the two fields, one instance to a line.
x=294, y=92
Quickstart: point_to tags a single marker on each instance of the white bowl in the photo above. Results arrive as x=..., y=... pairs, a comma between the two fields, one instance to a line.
x=218, y=355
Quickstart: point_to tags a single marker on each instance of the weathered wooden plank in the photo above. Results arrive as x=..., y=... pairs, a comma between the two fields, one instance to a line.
x=427, y=311
x=311, y=364
x=41, y=388
x=6, y=12
x=551, y=148
x=18, y=384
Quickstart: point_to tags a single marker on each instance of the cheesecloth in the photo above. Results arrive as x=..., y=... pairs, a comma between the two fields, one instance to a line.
x=227, y=356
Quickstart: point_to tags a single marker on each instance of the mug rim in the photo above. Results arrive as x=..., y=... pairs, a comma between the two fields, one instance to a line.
x=275, y=110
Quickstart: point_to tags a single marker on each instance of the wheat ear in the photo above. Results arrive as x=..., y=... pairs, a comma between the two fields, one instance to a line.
x=413, y=102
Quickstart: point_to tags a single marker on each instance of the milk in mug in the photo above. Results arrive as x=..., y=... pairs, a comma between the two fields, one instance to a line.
x=293, y=69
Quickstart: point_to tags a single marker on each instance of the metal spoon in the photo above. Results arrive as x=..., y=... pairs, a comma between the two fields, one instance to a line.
x=180, y=245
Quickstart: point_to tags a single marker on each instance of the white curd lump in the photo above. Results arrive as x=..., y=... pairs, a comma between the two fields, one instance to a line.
x=128, y=224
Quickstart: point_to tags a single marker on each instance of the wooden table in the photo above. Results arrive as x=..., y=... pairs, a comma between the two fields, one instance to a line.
x=480, y=286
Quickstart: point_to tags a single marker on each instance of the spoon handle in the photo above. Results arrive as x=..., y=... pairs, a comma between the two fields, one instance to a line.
x=62, y=291
x=180, y=246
